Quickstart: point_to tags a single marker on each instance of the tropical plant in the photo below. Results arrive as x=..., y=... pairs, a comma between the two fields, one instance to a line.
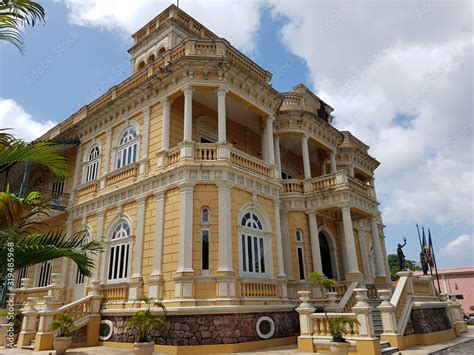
x=144, y=321
x=15, y=14
x=21, y=227
x=63, y=325
x=13, y=150
x=337, y=325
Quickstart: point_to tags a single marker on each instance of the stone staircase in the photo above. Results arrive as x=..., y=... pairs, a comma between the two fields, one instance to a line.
x=387, y=349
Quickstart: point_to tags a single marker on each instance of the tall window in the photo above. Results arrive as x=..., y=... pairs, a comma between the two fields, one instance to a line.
x=127, y=148
x=22, y=273
x=80, y=278
x=58, y=187
x=92, y=165
x=205, y=260
x=300, y=253
x=44, y=278
x=253, y=245
x=119, y=252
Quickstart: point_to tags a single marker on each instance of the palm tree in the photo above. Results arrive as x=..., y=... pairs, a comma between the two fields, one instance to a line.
x=13, y=150
x=15, y=14
x=21, y=234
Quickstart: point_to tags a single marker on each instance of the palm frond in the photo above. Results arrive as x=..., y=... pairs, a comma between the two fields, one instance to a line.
x=32, y=249
x=44, y=153
x=15, y=14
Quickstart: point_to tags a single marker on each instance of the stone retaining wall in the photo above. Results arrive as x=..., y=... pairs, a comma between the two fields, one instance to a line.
x=428, y=320
x=210, y=328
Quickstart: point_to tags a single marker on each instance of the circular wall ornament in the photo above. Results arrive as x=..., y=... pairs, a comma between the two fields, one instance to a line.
x=106, y=329
x=265, y=327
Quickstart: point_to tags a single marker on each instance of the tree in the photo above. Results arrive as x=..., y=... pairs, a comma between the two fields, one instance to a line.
x=15, y=14
x=393, y=264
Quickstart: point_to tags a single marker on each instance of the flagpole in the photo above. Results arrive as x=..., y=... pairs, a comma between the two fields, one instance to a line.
x=425, y=251
x=434, y=261
x=419, y=237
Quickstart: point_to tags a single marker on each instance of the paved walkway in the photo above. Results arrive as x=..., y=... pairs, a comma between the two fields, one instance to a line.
x=461, y=345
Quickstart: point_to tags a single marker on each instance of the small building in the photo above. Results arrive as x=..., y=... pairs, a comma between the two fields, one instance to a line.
x=459, y=282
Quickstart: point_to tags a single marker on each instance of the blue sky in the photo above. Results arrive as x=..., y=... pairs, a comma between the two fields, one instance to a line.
x=409, y=93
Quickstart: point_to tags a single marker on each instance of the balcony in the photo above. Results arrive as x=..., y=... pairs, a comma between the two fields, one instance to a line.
x=55, y=200
x=220, y=154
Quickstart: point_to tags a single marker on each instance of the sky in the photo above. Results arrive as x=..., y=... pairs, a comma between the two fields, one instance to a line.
x=399, y=75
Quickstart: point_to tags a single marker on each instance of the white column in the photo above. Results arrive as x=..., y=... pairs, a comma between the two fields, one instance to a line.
x=276, y=143
x=99, y=256
x=332, y=156
x=264, y=143
x=323, y=168
x=285, y=241
x=350, y=170
x=188, y=114
x=363, y=252
x=159, y=224
x=139, y=237
x=315, y=248
x=221, y=114
x=353, y=267
x=225, y=231
x=269, y=140
x=379, y=258
x=305, y=151
x=186, y=229
x=165, y=130
x=281, y=266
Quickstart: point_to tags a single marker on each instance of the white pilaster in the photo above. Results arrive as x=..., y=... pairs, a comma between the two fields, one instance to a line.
x=188, y=114
x=107, y=152
x=221, y=114
x=225, y=231
x=139, y=237
x=379, y=259
x=159, y=224
x=305, y=151
x=285, y=241
x=165, y=131
x=99, y=256
x=264, y=143
x=146, y=139
x=315, y=248
x=269, y=140
x=77, y=171
x=350, y=170
x=332, y=157
x=353, y=267
x=186, y=229
x=279, y=245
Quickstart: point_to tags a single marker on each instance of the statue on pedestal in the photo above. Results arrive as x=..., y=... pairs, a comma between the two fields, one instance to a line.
x=424, y=263
x=401, y=256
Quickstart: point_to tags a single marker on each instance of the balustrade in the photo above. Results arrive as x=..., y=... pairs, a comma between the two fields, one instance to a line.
x=115, y=294
x=250, y=163
x=292, y=186
x=258, y=289
x=122, y=174
x=205, y=152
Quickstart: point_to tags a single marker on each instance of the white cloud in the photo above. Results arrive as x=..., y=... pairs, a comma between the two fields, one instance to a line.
x=460, y=249
x=22, y=125
x=235, y=21
x=400, y=78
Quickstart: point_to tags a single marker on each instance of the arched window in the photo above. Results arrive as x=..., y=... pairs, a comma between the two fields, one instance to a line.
x=253, y=244
x=44, y=277
x=141, y=65
x=127, y=150
x=205, y=215
x=205, y=246
x=119, y=252
x=92, y=164
x=300, y=253
x=151, y=59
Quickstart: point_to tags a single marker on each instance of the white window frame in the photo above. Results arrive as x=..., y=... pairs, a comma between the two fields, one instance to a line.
x=263, y=239
x=21, y=274
x=205, y=227
x=127, y=146
x=81, y=279
x=119, y=243
x=300, y=247
x=92, y=164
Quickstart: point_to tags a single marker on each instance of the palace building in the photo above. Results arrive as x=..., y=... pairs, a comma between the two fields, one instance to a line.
x=212, y=192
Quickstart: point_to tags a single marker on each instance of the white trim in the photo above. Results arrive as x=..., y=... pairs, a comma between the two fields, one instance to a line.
x=272, y=327
x=333, y=251
x=111, y=325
